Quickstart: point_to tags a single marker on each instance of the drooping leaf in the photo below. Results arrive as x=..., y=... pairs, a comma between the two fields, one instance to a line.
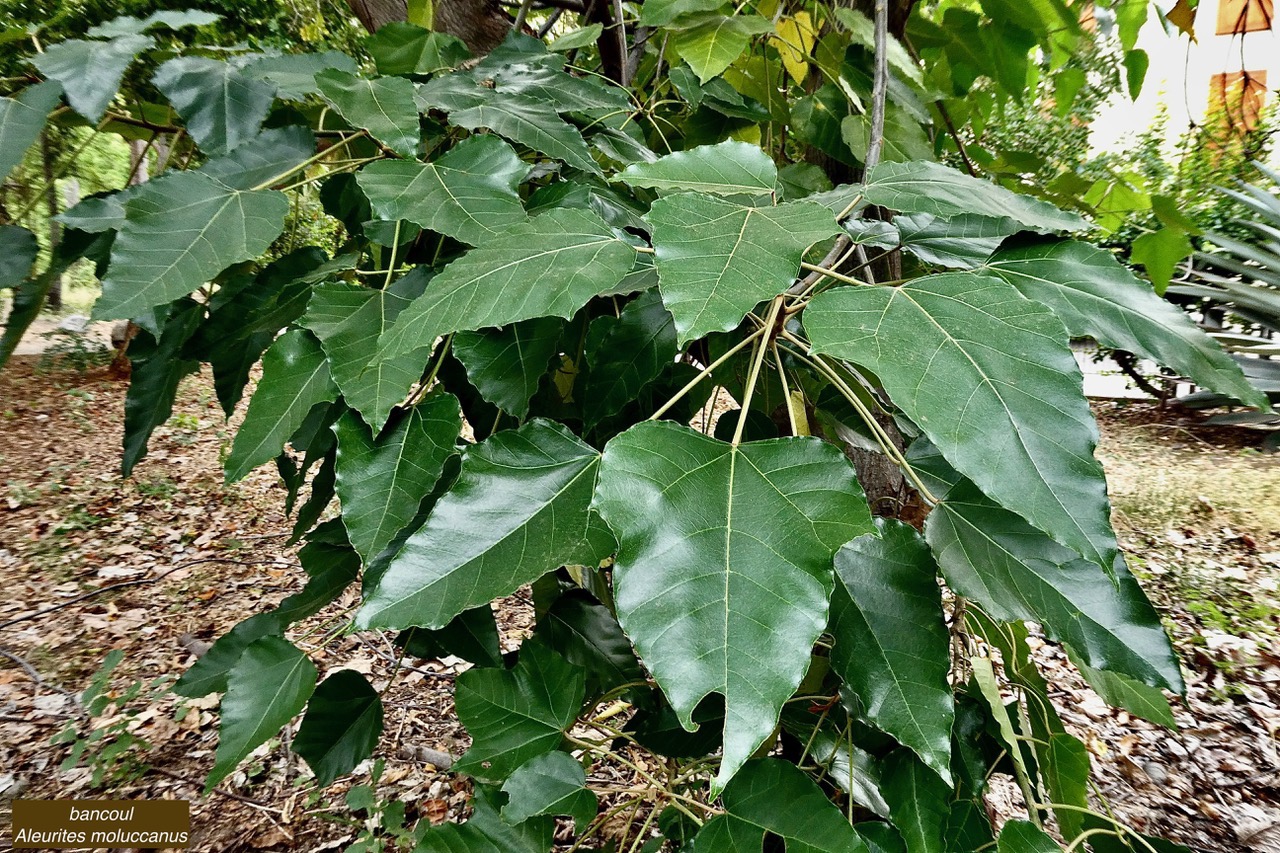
x=587, y=634
x=267, y=687
x=986, y=553
x=728, y=168
x=855, y=770
x=472, y=635
x=958, y=242
x=21, y=120
x=469, y=193
x=724, y=569
x=716, y=259
x=220, y=104
x=1121, y=691
x=507, y=364
x=18, y=251
x=179, y=232
x=295, y=376
x=548, y=266
x=331, y=566
x=990, y=379
x=892, y=646
x=383, y=106
x=381, y=481
x=918, y=801
x=90, y=71
x=518, y=510
x=922, y=186
x=209, y=673
x=174, y=19
x=486, y=832
x=774, y=796
x=341, y=727
x=632, y=353
x=517, y=714
x=153, y=381
x=1065, y=767
x=1020, y=836
x=348, y=320
x=294, y=74
x=710, y=43
x=551, y=784
x=400, y=48
x=1095, y=295
x=262, y=158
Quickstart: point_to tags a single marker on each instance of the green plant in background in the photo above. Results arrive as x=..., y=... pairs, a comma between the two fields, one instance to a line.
x=543, y=278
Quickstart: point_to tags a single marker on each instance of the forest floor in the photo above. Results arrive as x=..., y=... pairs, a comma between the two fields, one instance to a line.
x=188, y=557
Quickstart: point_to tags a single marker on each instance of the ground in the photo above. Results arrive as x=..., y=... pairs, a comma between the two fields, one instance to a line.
x=189, y=556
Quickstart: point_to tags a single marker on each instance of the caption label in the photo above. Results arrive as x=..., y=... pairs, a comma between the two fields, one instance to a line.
x=75, y=824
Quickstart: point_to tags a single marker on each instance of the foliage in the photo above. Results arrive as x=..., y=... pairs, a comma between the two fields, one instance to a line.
x=542, y=277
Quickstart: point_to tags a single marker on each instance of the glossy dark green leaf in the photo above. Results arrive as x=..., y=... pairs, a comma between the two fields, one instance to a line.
x=831, y=747
x=341, y=727
x=919, y=801
x=90, y=71
x=1095, y=295
x=517, y=714
x=383, y=106
x=728, y=168
x=892, y=646
x=400, y=48
x=551, y=784
x=263, y=158
x=348, y=319
x=331, y=567
x=294, y=74
x=18, y=251
x=507, y=364
x=968, y=827
x=209, y=673
x=21, y=120
x=776, y=797
x=990, y=379
x=472, y=635
x=220, y=105
x=381, y=481
x=153, y=381
x=1020, y=836
x=1120, y=691
x=1065, y=768
x=587, y=633
x=179, y=232
x=922, y=186
x=724, y=570
x=469, y=193
x=295, y=376
x=988, y=554
x=717, y=260
x=486, y=832
x=958, y=242
x=519, y=509
x=630, y=355
x=267, y=687
x=817, y=121
x=710, y=43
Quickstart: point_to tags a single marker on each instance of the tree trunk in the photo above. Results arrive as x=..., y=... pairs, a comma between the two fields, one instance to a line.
x=54, y=299
x=373, y=14
x=481, y=24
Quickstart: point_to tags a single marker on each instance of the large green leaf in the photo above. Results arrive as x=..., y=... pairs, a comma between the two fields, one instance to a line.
x=472, y=636
x=1020, y=836
x=958, y=242
x=170, y=19
x=551, y=784
x=179, y=232
x=294, y=74
x=90, y=71
x=549, y=266
x=523, y=66
x=295, y=376
x=989, y=377
x=891, y=643
x=517, y=714
x=220, y=104
x=21, y=120
x=486, y=832
x=716, y=259
x=506, y=365
x=724, y=569
x=1095, y=295
x=710, y=43
x=633, y=352
x=383, y=106
x=262, y=158
x=18, y=251
x=400, y=48
x=153, y=381
x=341, y=727
x=918, y=801
x=728, y=168
x=774, y=796
x=588, y=634
x=469, y=193
x=1015, y=572
x=348, y=319
x=519, y=509
x=266, y=688
x=657, y=13
x=922, y=186
x=382, y=481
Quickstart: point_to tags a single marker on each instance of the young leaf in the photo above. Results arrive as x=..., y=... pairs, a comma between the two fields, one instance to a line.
x=632, y=353
x=1095, y=295
x=724, y=569
x=179, y=232
x=727, y=168
x=710, y=43
x=21, y=120
x=892, y=646
x=508, y=364
x=90, y=71
x=295, y=376
x=341, y=727
x=381, y=482
x=469, y=193
x=774, y=796
x=918, y=801
x=518, y=510
x=220, y=104
x=265, y=690
x=717, y=260
x=383, y=106
x=551, y=784
x=517, y=714
x=990, y=379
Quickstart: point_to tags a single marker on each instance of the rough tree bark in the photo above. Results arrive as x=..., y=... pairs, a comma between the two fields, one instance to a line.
x=481, y=24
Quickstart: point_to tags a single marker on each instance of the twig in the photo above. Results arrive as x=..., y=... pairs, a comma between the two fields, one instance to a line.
x=229, y=794
x=36, y=677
